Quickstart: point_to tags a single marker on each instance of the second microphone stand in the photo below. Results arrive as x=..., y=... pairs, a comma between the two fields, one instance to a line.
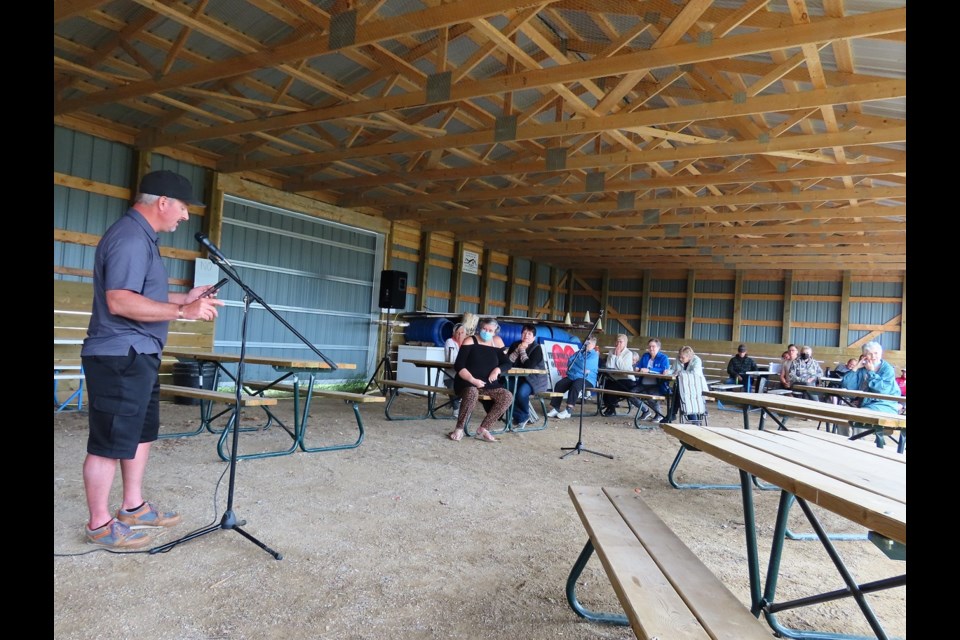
x=577, y=448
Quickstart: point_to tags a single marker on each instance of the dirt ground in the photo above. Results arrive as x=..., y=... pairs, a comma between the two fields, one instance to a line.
x=410, y=535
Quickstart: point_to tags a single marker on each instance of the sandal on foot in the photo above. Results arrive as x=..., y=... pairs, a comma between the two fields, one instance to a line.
x=456, y=435
x=485, y=434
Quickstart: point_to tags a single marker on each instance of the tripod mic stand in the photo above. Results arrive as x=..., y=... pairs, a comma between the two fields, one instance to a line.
x=577, y=448
x=385, y=364
x=229, y=518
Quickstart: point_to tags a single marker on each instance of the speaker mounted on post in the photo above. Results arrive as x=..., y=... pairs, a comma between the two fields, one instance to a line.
x=393, y=289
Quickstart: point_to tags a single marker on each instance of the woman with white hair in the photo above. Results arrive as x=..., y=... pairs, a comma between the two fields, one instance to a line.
x=872, y=373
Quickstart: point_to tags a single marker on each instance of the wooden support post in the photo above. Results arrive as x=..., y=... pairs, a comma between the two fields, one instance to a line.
x=787, y=325
x=844, y=337
x=688, y=312
x=737, y=307
x=645, y=304
x=903, y=317
x=426, y=238
x=485, y=281
x=510, y=308
x=456, y=277
x=532, y=291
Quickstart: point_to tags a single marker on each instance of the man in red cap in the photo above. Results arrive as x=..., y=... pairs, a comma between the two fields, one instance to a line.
x=132, y=309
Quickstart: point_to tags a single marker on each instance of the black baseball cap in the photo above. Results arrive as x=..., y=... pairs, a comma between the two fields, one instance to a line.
x=169, y=184
x=741, y=348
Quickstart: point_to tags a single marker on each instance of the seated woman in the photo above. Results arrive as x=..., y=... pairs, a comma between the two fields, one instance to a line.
x=451, y=348
x=525, y=353
x=479, y=364
x=691, y=384
x=581, y=370
x=620, y=358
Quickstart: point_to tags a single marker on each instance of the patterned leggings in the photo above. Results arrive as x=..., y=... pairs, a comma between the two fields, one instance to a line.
x=468, y=401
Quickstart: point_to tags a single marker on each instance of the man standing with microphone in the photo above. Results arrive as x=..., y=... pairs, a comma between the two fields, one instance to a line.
x=132, y=310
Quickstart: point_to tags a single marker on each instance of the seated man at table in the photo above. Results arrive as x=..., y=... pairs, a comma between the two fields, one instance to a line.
x=738, y=365
x=805, y=371
x=653, y=361
x=621, y=358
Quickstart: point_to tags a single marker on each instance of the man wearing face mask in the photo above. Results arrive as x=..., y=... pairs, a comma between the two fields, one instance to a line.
x=805, y=370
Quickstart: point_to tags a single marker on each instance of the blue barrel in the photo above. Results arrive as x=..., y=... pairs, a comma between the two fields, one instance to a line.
x=510, y=332
x=561, y=335
x=543, y=333
x=435, y=330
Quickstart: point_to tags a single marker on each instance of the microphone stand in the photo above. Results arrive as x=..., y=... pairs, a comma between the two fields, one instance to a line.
x=229, y=518
x=583, y=398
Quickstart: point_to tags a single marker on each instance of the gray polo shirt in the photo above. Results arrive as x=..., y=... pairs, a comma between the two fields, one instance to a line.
x=127, y=257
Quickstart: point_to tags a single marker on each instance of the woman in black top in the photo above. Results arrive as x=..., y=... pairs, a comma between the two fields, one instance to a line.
x=479, y=364
x=525, y=353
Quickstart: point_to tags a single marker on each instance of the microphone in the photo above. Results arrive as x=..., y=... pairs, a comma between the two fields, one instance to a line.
x=212, y=248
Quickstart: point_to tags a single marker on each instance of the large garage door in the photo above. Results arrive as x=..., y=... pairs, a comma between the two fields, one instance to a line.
x=318, y=275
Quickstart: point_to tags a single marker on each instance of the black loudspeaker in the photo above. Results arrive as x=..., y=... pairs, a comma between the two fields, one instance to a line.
x=393, y=289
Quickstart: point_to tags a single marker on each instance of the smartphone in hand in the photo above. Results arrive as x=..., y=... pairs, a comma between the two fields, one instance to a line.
x=212, y=290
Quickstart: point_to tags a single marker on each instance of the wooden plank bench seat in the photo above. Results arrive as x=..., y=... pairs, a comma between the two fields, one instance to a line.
x=600, y=391
x=347, y=396
x=214, y=396
x=725, y=387
x=663, y=588
x=393, y=389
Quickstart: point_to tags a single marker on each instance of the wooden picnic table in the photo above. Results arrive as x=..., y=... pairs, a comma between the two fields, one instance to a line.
x=771, y=404
x=864, y=485
x=290, y=369
x=849, y=393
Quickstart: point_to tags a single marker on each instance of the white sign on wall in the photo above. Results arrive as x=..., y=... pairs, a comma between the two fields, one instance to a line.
x=205, y=272
x=470, y=261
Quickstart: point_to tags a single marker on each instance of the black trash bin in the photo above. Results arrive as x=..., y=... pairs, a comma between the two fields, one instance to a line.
x=193, y=374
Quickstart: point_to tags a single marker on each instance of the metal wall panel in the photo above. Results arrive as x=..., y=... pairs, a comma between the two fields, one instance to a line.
x=319, y=276
x=411, y=268
x=763, y=311
x=83, y=156
x=714, y=286
x=438, y=279
x=712, y=308
x=521, y=292
x=892, y=289
x=763, y=286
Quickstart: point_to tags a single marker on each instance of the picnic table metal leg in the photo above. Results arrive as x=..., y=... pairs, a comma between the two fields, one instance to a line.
x=852, y=590
x=578, y=566
x=679, y=485
x=338, y=447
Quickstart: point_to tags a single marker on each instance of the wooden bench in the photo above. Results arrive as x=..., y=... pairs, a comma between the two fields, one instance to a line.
x=664, y=589
x=629, y=394
x=392, y=390
x=354, y=399
x=214, y=396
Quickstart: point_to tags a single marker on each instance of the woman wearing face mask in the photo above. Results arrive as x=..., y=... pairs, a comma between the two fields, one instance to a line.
x=805, y=371
x=479, y=364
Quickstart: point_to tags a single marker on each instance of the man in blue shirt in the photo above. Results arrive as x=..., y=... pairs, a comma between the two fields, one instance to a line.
x=132, y=308
x=653, y=361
